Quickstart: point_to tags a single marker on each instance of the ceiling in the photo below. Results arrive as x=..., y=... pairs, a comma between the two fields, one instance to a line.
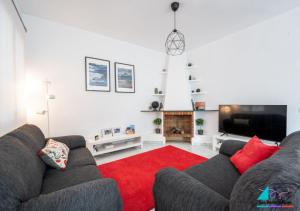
x=148, y=22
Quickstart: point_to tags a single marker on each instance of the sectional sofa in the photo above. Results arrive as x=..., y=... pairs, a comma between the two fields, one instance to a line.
x=26, y=183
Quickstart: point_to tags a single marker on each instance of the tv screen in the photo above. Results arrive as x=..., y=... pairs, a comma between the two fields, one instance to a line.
x=265, y=121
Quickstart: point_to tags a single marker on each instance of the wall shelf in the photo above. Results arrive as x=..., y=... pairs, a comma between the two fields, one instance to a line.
x=158, y=95
x=194, y=81
x=207, y=110
x=191, y=67
x=151, y=111
x=198, y=93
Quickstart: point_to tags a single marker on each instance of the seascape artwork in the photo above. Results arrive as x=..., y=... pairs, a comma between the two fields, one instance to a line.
x=125, y=78
x=97, y=75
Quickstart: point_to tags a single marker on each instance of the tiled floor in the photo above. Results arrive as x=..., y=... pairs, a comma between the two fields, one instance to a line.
x=203, y=150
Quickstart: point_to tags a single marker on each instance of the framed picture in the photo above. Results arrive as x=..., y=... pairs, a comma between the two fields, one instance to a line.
x=97, y=74
x=130, y=129
x=124, y=78
x=116, y=131
x=107, y=133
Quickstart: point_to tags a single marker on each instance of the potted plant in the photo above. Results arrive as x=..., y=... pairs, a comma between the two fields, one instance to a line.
x=157, y=122
x=200, y=122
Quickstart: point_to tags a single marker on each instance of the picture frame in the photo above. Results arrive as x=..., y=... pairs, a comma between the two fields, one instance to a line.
x=124, y=78
x=130, y=130
x=116, y=131
x=106, y=133
x=97, y=74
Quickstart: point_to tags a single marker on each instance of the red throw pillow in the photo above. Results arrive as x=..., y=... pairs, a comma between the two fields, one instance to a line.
x=252, y=153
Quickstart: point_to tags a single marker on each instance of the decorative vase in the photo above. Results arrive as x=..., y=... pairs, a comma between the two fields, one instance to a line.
x=157, y=130
x=156, y=91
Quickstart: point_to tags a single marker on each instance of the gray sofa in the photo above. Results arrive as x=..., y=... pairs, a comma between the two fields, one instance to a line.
x=26, y=183
x=217, y=185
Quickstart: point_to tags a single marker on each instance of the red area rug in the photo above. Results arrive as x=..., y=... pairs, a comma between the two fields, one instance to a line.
x=135, y=175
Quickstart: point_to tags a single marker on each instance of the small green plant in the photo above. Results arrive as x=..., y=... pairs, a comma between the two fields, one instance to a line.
x=200, y=122
x=157, y=122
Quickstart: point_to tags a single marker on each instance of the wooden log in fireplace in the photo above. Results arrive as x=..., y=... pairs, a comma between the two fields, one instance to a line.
x=178, y=125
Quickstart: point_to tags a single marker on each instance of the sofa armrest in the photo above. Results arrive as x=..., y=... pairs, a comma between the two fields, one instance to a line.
x=230, y=147
x=101, y=194
x=72, y=142
x=177, y=191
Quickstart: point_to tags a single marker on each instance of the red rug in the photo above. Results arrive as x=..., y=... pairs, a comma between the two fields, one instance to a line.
x=135, y=175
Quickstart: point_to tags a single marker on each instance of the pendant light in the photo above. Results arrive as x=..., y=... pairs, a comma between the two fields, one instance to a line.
x=175, y=43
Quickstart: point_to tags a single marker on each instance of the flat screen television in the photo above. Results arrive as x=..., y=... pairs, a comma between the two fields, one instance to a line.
x=265, y=121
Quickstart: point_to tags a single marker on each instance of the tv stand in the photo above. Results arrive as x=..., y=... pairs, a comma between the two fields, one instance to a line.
x=220, y=138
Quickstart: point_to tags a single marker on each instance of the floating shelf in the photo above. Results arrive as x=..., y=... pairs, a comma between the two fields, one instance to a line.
x=159, y=95
x=191, y=67
x=151, y=111
x=207, y=110
x=198, y=93
x=164, y=73
x=194, y=81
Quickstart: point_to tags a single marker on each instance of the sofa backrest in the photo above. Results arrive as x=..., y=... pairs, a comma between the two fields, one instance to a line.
x=21, y=170
x=31, y=136
x=278, y=176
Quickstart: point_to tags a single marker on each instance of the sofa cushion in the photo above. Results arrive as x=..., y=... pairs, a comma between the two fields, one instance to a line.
x=31, y=136
x=80, y=157
x=217, y=173
x=55, y=154
x=280, y=172
x=252, y=153
x=20, y=174
x=55, y=180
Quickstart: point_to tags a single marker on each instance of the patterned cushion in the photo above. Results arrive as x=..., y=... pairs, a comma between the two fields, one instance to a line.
x=55, y=154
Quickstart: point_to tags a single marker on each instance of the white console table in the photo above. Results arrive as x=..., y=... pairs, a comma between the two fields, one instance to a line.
x=112, y=144
x=219, y=139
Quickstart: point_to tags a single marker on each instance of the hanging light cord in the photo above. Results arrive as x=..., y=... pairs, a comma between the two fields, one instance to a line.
x=175, y=21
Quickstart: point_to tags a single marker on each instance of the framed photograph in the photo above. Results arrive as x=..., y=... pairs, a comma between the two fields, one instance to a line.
x=97, y=74
x=124, y=78
x=107, y=133
x=116, y=131
x=130, y=129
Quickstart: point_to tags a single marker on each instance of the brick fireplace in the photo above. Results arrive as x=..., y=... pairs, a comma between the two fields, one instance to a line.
x=178, y=125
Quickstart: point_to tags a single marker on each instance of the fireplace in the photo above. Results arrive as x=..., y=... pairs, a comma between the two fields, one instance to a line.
x=178, y=125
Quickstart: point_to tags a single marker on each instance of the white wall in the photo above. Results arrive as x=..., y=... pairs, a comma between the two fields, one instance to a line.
x=57, y=52
x=12, y=109
x=178, y=92
x=259, y=65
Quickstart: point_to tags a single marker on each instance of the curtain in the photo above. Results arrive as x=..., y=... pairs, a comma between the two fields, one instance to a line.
x=12, y=72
